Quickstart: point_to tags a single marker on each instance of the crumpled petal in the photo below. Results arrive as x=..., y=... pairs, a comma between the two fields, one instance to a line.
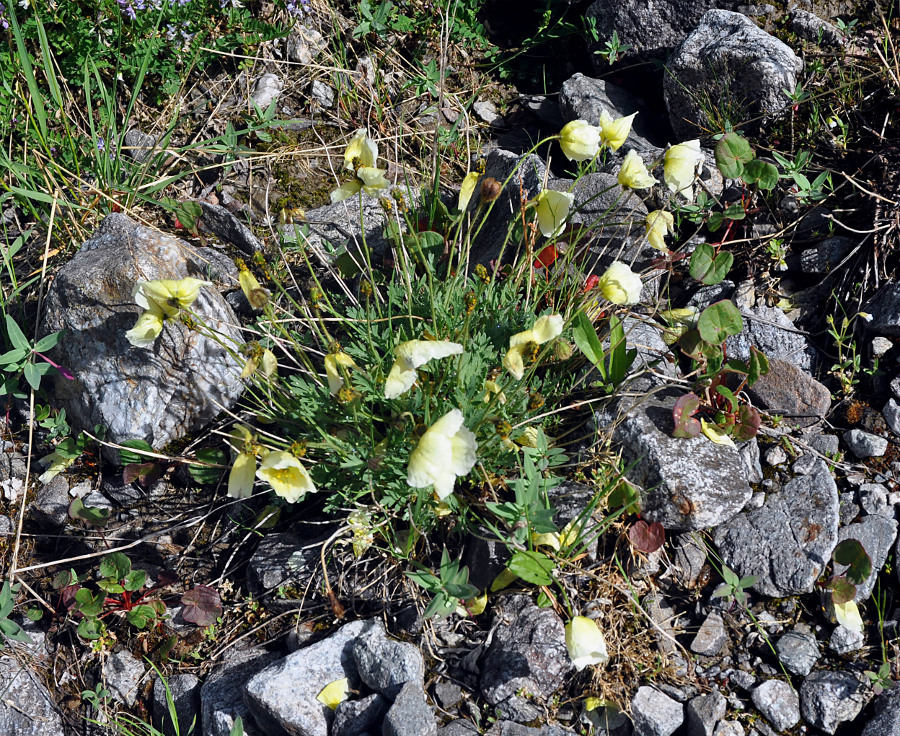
x=287, y=476
x=242, y=476
x=344, y=191
x=634, y=174
x=847, y=615
x=715, y=434
x=411, y=355
x=613, y=133
x=659, y=223
x=446, y=451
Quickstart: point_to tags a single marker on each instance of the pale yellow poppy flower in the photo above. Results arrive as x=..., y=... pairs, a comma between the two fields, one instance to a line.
x=147, y=328
x=634, y=174
x=369, y=179
x=659, y=223
x=613, y=133
x=169, y=295
x=552, y=209
x=545, y=329
x=579, y=140
x=681, y=165
x=411, y=355
x=585, y=643
x=620, y=285
x=361, y=151
x=335, y=377
x=445, y=452
x=287, y=476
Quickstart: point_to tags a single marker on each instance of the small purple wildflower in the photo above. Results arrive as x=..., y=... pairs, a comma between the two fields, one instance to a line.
x=100, y=143
x=127, y=9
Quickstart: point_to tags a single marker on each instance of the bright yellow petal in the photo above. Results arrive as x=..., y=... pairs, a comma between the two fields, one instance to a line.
x=334, y=693
x=242, y=476
x=467, y=190
x=361, y=150
x=547, y=328
x=287, y=476
x=620, y=285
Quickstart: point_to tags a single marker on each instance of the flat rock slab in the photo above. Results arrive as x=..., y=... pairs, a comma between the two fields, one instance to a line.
x=788, y=541
x=26, y=708
x=793, y=393
x=221, y=702
x=283, y=696
x=686, y=484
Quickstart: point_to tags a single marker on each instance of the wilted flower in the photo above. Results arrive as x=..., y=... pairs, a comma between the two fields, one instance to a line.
x=255, y=294
x=147, y=327
x=585, y=643
x=411, y=355
x=579, y=140
x=361, y=151
x=552, y=210
x=613, y=133
x=634, y=174
x=446, y=451
x=545, y=329
x=620, y=284
x=334, y=693
x=715, y=433
x=490, y=189
x=169, y=295
x=286, y=475
x=466, y=190
x=361, y=526
x=681, y=164
x=490, y=389
x=243, y=469
x=659, y=223
x=335, y=377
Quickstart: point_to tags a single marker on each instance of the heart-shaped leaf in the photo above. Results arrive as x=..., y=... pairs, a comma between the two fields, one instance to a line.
x=851, y=553
x=202, y=605
x=747, y=425
x=683, y=415
x=719, y=321
x=646, y=537
x=707, y=267
x=732, y=153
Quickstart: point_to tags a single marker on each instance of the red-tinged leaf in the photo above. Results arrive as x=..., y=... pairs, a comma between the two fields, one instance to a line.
x=851, y=553
x=683, y=416
x=202, y=605
x=748, y=423
x=165, y=578
x=546, y=257
x=67, y=595
x=146, y=474
x=591, y=282
x=646, y=537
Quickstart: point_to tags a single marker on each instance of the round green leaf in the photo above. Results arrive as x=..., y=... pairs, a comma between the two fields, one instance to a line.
x=719, y=321
x=732, y=153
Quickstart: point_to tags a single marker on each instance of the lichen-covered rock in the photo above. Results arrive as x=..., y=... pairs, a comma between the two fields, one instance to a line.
x=685, y=484
x=727, y=61
x=828, y=699
x=788, y=541
x=792, y=393
x=157, y=393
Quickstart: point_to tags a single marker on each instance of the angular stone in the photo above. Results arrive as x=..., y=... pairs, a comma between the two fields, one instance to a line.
x=222, y=223
x=266, y=90
x=828, y=699
x=778, y=703
x=27, y=708
x=811, y=27
x=220, y=697
x=386, y=665
x=845, y=641
x=655, y=713
x=791, y=392
x=826, y=255
x=686, y=484
x=527, y=653
x=704, y=713
x=354, y=717
x=885, y=310
x=891, y=414
x=865, y=444
x=410, y=714
x=123, y=673
x=283, y=696
x=886, y=720
x=711, y=636
x=729, y=728
x=185, y=693
x=156, y=394
x=798, y=651
x=769, y=330
x=727, y=59
x=877, y=535
x=305, y=44
x=688, y=558
x=788, y=541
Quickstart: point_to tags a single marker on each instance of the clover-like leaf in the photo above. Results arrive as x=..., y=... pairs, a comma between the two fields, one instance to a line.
x=93, y=516
x=748, y=422
x=851, y=553
x=646, y=537
x=719, y=321
x=710, y=268
x=202, y=605
x=732, y=153
x=683, y=415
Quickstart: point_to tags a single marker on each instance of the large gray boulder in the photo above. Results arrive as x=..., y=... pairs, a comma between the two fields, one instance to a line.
x=157, y=393
x=727, y=65
x=788, y=541
x=221, y=695
x=27, y=708
x=828, y=699
x=685, y=484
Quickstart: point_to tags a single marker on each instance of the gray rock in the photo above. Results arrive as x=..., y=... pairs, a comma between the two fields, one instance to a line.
x=27, y=708
x=875, y=500
x=220, y=696
x=185, y=693
x=584, y=98
x=355, y=717
x=527, y=653
x=865, y=444
x=749, y=451
x=798, y=651
x=688, y=558
x=811, y=27
x=447, y=694
x=283, y=696
x=686, y=484
x=727, y=61
x=788, y=541
x=410, y=714
x=487, y=113
x=665, y=617
x=828, y=699
x=266, y=90
x=305, y=44
x=655, y=713
x=778, y=703
x=743, y=680
x=139, y=145
x=729, y=728
x=386, y=665
x=651, y=31
x=826, y=255
x=885, y=310
x=571, y=501
x=791, y=392
x=827, y=444
x=459, y=727
x=123, y=673
x=706, y=295
x=886, y=720
x=877, y=535
x=880, y=345
x=769, y=330
x=845, y=641
x=704, y=712
x=322, y=94
x=526, y=177
x=711, y=636
x=268, y=567
x=50, y=508
x=891, y=413
x=156, y=394
x=776, y=455
x=221, y=223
